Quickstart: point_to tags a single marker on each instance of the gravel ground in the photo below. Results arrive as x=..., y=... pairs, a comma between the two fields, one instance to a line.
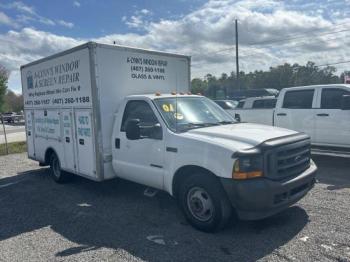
x=114, y=221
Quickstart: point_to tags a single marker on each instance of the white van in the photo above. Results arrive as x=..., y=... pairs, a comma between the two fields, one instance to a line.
x=102, y=111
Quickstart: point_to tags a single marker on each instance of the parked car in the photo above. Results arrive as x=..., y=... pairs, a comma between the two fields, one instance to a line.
x=246, y=93
x=10, y=117
x=263, y=106
x=227, y=105
x=321, y=111
x=124, y=121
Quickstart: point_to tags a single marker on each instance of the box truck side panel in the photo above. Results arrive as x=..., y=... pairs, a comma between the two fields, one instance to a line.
x=124, y=71
x=68, y=139
x=57, y=101
x=85, y=142
x=63, y=81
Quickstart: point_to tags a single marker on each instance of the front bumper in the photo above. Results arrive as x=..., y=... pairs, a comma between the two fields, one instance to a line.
x=261, y=197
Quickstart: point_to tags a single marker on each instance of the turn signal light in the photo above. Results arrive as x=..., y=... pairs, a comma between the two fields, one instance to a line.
x=246, y=175
x=246, y=168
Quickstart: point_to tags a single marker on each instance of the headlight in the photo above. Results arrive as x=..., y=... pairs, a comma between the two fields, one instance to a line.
x=246, y=167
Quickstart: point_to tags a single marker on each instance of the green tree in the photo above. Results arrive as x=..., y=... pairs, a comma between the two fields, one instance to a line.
x=281, y=76
x=12, y=102
x=198, y=86
x=4, y=74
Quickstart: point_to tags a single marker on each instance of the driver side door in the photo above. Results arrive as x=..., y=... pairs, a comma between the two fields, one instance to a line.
x=140, y=160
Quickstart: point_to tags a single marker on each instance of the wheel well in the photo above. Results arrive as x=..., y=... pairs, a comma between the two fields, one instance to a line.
x=48, y=154
x=184, y=172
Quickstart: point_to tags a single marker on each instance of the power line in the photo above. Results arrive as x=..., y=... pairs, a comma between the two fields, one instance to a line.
x=293, y=38
x=262, y=52
x=285, y=39
x=335, y=63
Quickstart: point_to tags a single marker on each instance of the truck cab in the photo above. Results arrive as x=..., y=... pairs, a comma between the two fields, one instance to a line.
x=191, y=148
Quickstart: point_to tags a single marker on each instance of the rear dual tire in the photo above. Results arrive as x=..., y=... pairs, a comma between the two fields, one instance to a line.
x=204, y=202
x=57, y=174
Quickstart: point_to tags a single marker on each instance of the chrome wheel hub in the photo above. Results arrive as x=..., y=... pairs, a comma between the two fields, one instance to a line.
x=200, y=204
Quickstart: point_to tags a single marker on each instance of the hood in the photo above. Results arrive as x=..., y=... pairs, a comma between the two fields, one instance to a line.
x=242, y=133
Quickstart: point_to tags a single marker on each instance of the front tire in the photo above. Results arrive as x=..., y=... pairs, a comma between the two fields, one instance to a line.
x=204, y=202
x=57, y=174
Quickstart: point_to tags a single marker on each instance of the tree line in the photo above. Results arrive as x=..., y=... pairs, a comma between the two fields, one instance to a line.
x=9, y=100
x=281, y=76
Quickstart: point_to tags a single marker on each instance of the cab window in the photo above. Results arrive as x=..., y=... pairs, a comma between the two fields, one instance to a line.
x=258, y=104
x=138, y=109
x=298, y=99
x=240, y=104
x=264, y=103
x=331, y=98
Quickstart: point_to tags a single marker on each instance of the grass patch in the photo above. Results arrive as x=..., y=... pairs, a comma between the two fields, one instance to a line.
x=15, y=147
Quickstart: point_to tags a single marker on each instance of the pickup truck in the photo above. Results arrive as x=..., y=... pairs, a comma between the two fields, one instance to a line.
x=227, y=105
x=10, y=117
x=321, y=111
x=265, y=105
x=104, y=112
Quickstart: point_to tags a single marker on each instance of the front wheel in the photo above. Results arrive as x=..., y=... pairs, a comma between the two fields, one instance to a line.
x=57, y=174
x=204, y=203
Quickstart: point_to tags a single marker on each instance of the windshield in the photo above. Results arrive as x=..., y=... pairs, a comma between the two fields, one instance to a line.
x=184, y=113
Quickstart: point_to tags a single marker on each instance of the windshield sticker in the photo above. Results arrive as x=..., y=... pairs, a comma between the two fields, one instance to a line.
x=168, y=108
x=178, y=116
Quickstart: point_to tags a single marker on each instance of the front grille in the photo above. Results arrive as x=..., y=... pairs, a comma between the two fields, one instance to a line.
x=288, y=160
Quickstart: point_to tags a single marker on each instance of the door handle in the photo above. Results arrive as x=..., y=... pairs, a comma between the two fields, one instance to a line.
x=117, y=143
x=81, y=141
x=323, y=114
x=281, y=114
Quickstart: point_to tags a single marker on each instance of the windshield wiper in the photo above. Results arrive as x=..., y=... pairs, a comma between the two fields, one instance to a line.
x=226, y=122
x=188, y=126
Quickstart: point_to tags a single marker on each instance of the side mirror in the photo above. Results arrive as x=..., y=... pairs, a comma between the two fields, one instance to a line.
x=345, y=102
x=157, y=132
x=132, y=129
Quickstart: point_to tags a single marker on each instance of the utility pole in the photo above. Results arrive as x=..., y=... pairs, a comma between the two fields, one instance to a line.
x=3, y=126
x=237, y=64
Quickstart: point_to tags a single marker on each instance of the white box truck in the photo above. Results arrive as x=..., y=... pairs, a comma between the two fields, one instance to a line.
x=102, y=111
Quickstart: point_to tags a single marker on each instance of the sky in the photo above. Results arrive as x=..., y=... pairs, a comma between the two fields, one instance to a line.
x=271, y=32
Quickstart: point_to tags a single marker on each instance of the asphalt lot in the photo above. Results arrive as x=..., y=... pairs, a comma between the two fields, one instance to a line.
x=114, y=221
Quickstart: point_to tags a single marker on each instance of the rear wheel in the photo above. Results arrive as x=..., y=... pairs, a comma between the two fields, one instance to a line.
x=204, y=203
x=56, y=173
